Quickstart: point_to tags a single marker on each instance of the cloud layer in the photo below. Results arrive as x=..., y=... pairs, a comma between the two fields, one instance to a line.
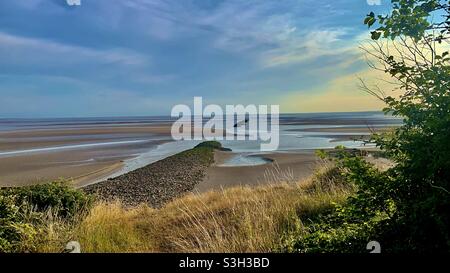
x=143, y=56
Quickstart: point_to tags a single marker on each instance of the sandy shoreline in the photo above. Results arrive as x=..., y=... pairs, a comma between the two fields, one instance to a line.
x=87, y=165
x=81, y=165
x=345, y=133
x=293, y=166
x=199, y=170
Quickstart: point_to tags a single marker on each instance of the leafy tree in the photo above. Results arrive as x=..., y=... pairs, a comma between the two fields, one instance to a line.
x=406, y=208
x=416, y=56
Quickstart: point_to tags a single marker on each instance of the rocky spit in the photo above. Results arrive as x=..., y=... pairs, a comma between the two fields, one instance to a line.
x=159, y=182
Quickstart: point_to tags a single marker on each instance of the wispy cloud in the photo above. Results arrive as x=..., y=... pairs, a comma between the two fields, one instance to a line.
x=36, y=48
x=150, y=53
x=273, y=32
x=311, y=45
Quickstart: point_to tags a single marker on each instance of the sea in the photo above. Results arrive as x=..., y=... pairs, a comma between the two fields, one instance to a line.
x=296, y=132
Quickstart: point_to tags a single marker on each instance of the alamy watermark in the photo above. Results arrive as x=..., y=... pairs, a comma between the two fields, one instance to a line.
x=237, y=122
x=374, y=247
x=374, y=2
x=73, y=2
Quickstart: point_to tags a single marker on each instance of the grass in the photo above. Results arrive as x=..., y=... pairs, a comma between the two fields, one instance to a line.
x=239, y=219
x=37, y=216
x=203, y=152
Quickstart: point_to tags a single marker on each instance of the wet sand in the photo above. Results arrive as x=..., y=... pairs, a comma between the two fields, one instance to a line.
x=345, y=133
x=293, y=166
x=349, y=129
x=83, y=164
x=21, y=140
x=285, y=167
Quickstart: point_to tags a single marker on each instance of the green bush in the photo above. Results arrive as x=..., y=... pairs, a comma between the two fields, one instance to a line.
x=406, y=208
x=24, y=211
x=59, y=196
x=376, y=212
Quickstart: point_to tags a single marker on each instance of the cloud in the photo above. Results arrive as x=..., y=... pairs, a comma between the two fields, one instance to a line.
x=341, y=94
x=243, y=26
x=38, y=49
x=46, y=62
x=158, y=50
x=272, y=32
x=310, y=45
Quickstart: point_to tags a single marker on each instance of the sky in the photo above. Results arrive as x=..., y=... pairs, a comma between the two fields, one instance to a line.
x=82, y=58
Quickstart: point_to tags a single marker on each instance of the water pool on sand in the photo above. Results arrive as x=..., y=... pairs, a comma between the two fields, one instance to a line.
x=245, y=160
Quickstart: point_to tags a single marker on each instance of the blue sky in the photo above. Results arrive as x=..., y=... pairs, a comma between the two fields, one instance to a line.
x=141, y=57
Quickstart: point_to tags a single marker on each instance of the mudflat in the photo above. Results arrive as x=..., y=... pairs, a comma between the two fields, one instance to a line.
x=82, y=155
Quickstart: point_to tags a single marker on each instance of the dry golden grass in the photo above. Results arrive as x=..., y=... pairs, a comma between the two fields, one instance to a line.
x=239, y=219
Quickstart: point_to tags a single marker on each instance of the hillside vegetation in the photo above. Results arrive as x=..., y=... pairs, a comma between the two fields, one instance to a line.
x=240, y=219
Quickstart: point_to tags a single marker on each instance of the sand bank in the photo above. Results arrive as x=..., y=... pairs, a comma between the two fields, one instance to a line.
x=293, y=166
x=79, y=154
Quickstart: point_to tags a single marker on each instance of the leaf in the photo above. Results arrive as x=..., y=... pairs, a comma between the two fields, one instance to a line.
x=375, y=35
x=371, y=22
x=370, y=19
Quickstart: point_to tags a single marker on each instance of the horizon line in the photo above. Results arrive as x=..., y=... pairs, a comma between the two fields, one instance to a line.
x=147, y=116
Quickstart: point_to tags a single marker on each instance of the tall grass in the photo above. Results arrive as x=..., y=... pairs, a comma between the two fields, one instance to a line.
x=239, y=219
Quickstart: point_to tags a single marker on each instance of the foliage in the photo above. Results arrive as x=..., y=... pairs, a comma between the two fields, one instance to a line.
x=419, y=183
x=210, y=144
x=203, y=153
x=22, y=210
x=59, y=195
x=236, y=219
x=406, y=208
x=411, y=18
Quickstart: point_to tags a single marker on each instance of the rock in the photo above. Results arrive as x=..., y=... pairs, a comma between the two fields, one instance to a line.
x=159, y=182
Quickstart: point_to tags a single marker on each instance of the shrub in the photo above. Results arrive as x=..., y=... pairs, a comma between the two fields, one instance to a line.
x=407, y=206
x=59, y=196
x=25, y=211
